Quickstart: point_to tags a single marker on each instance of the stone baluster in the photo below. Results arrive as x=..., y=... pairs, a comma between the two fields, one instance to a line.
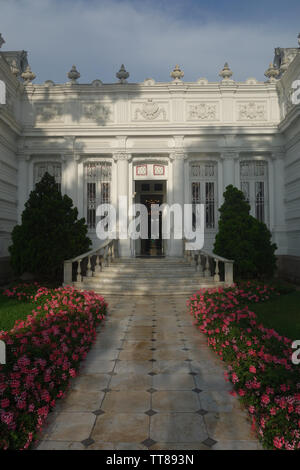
x=201, y=271
x=207, y=269
x=229, y=273
x=98, y=264
x=217, y=271
x=105, y=256
x=89, y=272
x=78, y=277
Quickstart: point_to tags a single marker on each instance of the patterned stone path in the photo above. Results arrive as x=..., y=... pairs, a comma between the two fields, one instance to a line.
x=150, y=382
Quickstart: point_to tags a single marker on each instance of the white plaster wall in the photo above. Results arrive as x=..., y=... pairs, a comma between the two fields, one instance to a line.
x=9, y=131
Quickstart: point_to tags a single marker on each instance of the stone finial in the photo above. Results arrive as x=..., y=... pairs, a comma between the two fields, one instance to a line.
x=73, y=75
x=177, y=74
x=122, y=75
x=226, y=73
x=1, y=41
x=272, y=73
x=28, y=76
x=14, y=68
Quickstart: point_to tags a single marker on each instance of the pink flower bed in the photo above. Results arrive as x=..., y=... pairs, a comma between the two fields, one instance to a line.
x=43, y=353
x=259, y=361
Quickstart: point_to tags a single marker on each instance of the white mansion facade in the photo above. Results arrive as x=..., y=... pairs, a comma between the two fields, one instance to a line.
x=174, y=142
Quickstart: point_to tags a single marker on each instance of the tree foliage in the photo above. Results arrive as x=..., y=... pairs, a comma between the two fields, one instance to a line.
x=244, y=239
x=50, y=232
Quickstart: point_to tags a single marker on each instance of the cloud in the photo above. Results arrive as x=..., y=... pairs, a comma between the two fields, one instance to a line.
x=98, y=36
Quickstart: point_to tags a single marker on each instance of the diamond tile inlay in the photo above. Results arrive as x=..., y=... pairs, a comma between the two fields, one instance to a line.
x=150, y=412
x=151, y=390
x=197, y=390
x=152, y=374
x=88, y=442
x=148, y=443
x=98, y=412
x=202, y=412
x=209, y=442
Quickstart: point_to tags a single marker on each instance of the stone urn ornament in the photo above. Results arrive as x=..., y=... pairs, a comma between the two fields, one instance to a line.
x=299, y=39
x=73, y=75
x=272, y=73
x=28, y=76
x=177, y=74
x=226, y=73
x=122, y=75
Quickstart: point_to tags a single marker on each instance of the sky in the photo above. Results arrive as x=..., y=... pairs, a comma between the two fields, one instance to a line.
x=149, y=37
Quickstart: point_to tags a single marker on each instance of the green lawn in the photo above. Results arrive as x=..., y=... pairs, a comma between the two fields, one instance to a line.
x=12, y=310
x=282, y=314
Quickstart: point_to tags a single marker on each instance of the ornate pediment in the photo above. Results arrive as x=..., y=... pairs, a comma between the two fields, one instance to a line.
x=150, y=111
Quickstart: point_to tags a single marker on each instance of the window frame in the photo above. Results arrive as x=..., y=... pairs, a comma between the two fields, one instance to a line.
x=205, y=178
x=101, y=195
x=260, y=206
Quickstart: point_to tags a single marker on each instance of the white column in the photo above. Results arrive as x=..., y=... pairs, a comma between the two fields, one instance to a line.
x=229, y=158
x=122, y=159
x=22, y=183
x=70, y=177
x=279, y=230
x=176, y=246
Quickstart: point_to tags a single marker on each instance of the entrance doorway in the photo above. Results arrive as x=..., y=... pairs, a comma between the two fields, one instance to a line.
x=151, y=193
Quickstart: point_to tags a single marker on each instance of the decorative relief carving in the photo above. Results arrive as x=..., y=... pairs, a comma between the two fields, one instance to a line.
x=252, y=111
x=150, y=111
x=49, y=112
x=141, y=170
x=158, y=170
x=97, y=112
x=202, y=112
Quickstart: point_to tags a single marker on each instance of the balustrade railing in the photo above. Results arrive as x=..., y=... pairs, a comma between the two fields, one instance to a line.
x=211, y=266
x=91, y=263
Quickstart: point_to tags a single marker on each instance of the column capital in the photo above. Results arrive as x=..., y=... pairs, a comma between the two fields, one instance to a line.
x=229, y=155
x=278, y=155
x=23, y=156
x=178, y=156
x=122, y=156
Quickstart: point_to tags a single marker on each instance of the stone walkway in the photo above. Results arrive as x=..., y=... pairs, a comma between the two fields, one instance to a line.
x=150, y=382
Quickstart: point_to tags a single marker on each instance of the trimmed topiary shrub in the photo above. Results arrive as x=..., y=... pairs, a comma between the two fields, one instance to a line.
x=244, y=239
x=50, y=232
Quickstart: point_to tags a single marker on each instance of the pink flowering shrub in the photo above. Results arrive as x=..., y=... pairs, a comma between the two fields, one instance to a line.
x=259, y=360
x=43, y=353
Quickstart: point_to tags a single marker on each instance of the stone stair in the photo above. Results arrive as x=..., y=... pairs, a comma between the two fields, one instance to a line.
x=153, y=276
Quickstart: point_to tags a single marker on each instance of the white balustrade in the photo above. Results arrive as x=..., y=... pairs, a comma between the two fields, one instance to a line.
x=95, y=261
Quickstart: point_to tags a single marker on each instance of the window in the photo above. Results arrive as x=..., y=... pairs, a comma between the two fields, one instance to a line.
x=204, y=186
x=98, y=189
x=53, y=168
x=254, y=184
